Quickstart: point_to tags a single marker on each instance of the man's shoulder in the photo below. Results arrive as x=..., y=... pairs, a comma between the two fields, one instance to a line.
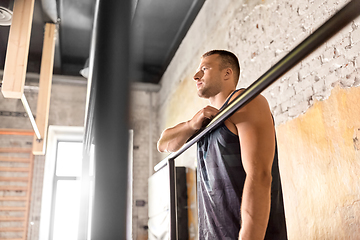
x=252, y=110
x=258, y=101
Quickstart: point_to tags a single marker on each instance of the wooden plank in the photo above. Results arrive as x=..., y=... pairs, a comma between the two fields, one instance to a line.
x=14, y=179
x=11, y=208
x=12, y=229
x=24, y=132
x=13, y=188
x=13, y=169
x=13, y=198
x=18, y=49
x=15, y=150
x=14, y=159
x=11, y=238
x=43, y=104
x=11, y=219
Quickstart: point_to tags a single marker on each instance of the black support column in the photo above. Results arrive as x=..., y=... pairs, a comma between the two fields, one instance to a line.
x=111, y=74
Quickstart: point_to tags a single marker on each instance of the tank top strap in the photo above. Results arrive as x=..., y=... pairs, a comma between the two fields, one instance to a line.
x=228, y=99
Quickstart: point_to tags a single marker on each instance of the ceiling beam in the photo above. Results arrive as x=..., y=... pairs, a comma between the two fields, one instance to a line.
x=43, y=105
x=18, y=49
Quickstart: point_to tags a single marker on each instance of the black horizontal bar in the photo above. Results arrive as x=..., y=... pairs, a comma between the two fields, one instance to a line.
x=316, y=39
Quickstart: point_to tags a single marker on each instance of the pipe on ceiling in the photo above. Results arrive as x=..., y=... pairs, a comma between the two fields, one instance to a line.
x=50, y=10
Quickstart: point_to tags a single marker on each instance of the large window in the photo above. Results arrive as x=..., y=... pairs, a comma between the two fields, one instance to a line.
x=68, y=183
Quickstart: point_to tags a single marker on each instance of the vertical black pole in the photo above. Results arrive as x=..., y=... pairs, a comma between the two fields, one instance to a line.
x=173, y=204
x=111, y=73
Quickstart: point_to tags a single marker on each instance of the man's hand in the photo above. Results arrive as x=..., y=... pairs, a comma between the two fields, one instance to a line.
x=203, y=117
x=172, y=139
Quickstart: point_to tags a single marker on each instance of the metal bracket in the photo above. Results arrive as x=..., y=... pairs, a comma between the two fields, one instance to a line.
x=31, y=117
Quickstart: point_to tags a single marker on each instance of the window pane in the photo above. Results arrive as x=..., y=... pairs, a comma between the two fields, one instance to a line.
x=67, y=207
x=69, y=157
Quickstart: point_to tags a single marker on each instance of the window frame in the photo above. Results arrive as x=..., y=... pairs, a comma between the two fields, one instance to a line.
x=56, y=134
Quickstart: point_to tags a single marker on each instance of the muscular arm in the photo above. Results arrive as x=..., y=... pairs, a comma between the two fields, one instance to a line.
x=172, y=139
x=257, y=139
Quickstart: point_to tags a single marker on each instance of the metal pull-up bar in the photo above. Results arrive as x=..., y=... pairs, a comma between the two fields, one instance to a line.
x=316, y=39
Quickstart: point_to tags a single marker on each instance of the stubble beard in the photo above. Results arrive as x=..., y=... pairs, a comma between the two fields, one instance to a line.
x=208, y=91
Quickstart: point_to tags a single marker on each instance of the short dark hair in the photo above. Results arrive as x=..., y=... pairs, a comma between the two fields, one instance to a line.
x=228, y=59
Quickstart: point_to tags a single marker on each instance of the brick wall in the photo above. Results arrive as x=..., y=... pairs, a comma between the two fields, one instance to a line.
x=143, y=122
x=263, y=35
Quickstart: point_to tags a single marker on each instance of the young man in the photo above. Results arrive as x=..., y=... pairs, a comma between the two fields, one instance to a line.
x=239, y=188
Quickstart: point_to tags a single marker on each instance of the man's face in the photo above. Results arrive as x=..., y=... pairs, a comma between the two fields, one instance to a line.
x=208, y=76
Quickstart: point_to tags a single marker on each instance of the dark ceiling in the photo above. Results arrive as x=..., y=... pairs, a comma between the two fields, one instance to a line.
x=158, y=29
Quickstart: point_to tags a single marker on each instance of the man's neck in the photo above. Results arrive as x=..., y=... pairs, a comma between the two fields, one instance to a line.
x=218, y=100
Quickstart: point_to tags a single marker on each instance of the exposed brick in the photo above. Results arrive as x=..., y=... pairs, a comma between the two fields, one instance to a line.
x=285, y=106
x=330, y=80
x=275, y=91
x=357, y=62
x=353, y=51
x=314, y=6
x=287, y=94
x=294, y=71
x=299, y=97
x=305, y=83
x=319, y=86
x=298, y=109
x=357, y=81
x=304, y=71
x=272, y=101
x=337, y=52
x=308, y=92
x=355, y=35
x=315, y=64
x=348, y=81
x=302, y=9
x=345, y=71
x=323, y=70
x=328, y=55
x=340, y=62
x=294, y=78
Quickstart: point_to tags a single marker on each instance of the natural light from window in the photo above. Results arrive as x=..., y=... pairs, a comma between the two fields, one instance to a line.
x=68, y=190
x=67, y=205
x=69, y=156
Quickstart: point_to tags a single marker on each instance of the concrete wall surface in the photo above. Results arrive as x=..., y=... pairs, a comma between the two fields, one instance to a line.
x=320, y=168
x=326, y=162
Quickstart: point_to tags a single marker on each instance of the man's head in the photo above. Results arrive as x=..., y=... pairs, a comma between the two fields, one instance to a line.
x=227, y=60
x=218, y=70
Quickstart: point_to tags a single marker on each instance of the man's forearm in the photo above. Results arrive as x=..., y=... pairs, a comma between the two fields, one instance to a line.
x=255, y=209
x=172, y=139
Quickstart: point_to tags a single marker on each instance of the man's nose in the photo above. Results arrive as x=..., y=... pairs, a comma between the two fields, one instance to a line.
x=197, y=76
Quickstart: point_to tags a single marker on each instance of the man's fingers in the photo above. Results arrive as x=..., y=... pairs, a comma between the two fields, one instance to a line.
x=210, y=112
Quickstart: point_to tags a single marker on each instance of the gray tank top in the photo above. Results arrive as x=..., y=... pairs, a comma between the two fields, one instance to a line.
x=220, y=180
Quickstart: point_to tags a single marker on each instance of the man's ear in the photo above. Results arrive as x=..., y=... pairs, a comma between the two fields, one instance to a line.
x=228, y=73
